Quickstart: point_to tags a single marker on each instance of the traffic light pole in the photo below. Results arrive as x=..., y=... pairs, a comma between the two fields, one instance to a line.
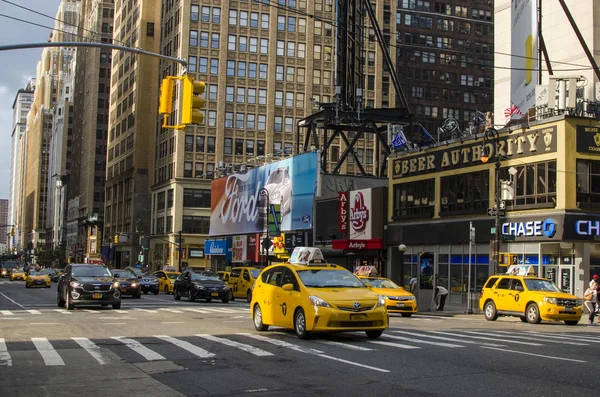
x=264, y=193
x=179, y=248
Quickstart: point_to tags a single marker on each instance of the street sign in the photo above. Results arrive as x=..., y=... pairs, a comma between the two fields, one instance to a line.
x=266, y=243
x=492, y=212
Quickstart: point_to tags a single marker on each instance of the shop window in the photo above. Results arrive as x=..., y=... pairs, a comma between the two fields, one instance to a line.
x=465, y=193
x=534, y=185
x=415, y=199
x=588, y=184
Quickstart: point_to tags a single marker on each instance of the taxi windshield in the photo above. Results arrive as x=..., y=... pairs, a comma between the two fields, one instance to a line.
x=255, y=273
x=41, y=272
x=172, y=276
x=322, y=278
x=380, y=283
x=541, y=285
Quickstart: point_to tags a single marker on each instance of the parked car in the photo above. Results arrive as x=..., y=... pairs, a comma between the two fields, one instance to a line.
x=201, y=285
x=128, y=281
x=87, y=284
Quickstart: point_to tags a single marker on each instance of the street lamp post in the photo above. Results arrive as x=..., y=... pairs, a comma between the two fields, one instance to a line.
x=402, y=249
x=491, y=134
x=264, y=193
x=179, y=248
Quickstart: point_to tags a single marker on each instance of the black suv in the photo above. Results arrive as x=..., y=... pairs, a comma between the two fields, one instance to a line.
x=148, y=282
x=201, y=285
x=128, y=282
x=86, y=284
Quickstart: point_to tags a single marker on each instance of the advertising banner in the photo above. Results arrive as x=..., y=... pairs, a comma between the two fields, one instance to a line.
x=238, y=248
x=524, y=54
x=361, y=225
x=215, y=247
x=588, y=139
x=239, y=201
x=343, y=212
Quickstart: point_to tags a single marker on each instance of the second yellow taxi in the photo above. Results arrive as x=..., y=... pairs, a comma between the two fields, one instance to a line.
x=397, y=299
x=166, y=279
x=17, y=274
x=39, y=278
x=307, y=294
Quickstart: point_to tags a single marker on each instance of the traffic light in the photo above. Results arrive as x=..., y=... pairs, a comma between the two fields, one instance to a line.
x=192, y=101
x=116, y=239
x=166, y=96
x=12, y=231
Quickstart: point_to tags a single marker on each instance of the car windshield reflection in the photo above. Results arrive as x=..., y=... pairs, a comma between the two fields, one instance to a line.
x=329, y=279
x=380, y=283
x=205, y=276
x=124, y=274
x=541, y=285
x=91, y=271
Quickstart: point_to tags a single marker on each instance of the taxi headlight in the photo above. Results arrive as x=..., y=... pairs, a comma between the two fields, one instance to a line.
x=579, y=302
x=316, y=301
x=381, y=301
x=410, y=298
x=551, y=301
x=116, y=284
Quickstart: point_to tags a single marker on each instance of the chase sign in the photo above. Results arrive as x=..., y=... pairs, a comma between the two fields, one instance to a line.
x=542, y=228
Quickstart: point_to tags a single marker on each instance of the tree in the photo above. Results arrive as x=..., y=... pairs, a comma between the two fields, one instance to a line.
x=48, y=256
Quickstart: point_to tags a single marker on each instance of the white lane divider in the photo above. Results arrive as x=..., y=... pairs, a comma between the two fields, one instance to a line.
x=534, y=355
x=145, y=310
x=196, y=310
x=247, y=348
x=6, y=313
x=170, y=310
x=34, y=311
x=93, y=349
x=5, y=359
x=469, y=342
x=62, y=311
x=140, y=349
x=46, y=350
x=195, y=350
x=392, y=344
x=346, y=346
x=310, y=351
x=486, y=338
x=425, y=342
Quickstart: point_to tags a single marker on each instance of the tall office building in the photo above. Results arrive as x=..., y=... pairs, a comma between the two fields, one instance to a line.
x=85, y=184
x=269, y=64
x=4, y=229
x=51, y=69
x=132, y=130
x=21, y=107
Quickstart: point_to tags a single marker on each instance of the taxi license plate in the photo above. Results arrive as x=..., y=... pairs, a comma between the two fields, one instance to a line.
x=97, y=296
x=147, y=285
x=569, y=309
x=358, y=317
x=399, y=304
x=214, y=294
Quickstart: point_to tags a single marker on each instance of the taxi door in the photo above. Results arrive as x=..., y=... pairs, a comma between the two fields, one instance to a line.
x=501, y=295
x=162, y=277
x=265, y=294
x=287, y=300
x=234, y=277
x=516, y=295
x=245, y=283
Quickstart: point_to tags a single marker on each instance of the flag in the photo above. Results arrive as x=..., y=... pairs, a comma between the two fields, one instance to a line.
x=399, y=140
x=425, y=132
x=512, y=111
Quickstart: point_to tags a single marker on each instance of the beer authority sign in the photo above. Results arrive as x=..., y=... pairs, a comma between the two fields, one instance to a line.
x=516, y=145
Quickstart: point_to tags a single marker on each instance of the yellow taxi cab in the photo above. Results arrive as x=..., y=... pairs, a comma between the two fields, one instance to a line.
x=17, y=274
x=397, y=299
x=39, y=278
x=241, y=280
x=521, y=294
x=307, y=294
x=224, y=276
x=166, y=279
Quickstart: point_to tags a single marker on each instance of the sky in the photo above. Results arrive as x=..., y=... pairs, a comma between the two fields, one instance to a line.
x=17, y=67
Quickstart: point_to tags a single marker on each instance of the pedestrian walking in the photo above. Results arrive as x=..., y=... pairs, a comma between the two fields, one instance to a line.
x=590, y=300
x=413, y=285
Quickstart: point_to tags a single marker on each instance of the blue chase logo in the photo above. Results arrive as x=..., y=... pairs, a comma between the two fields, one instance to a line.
x=549, y=228
x=545, y=228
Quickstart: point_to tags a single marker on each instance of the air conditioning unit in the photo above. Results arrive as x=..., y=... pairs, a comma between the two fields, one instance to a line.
x=476, y=84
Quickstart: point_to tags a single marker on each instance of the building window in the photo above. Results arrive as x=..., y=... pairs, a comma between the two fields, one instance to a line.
x=150, y=29
x=588, y=183
x=264, y=46
x=262, y=96
x=534, y=184
x=212, y=118
x=160, y=201
x=199, y=144
x=262, y=74
x=214, y=40
x=260, y=148
x=196, y=198
x=249, y=147
x=231, y=68
x=278, y=124
x=204, y=39
x=205, y=14
x=229, y=93
x=251, y=122
x=241, y=69
x=233, y=17
x=195, y=224
x=189, y=143
x=169, y=225
x=214, y=66
x=211, y=144
x=252, y=70
x=239, y=120
x=262, y=122
x=203, y=66
x=239, y=146
x=187, y=169
x=414, y=199
x=216, y=15
x=193, y=38
x=195, y=13
x=465, y=193
x=199, y=172
x=228, y=119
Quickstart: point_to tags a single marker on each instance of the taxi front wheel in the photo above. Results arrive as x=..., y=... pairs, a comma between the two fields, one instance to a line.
x=533, y=314
x=258, y=323
x=300, y=324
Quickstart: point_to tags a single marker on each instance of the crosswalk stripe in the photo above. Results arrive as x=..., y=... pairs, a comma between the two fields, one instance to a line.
x=425, y=342
x=170, y=310
x=195, y=310
x=7, y=313
x=140, y=349
x=62, y=311
x=145, y=310
x=281, y=343
x=506, y=334
x=34, y=311
x=486, y=338
x=558, y=336
x=4, y=355
x=195, y=350
x=392, y=344
x=91, y=311
x=50, y=356
x=93, y=349
x=220, y=310
x=247, y=348
x=346, y=346
x=535, y=355
x=469, y=342
x=120, y=311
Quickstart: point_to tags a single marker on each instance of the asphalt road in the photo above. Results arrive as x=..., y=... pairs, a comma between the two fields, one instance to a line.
x=155, y=346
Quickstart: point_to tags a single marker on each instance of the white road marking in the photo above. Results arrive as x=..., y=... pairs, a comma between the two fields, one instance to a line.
x=34, y=311
x=247, y=348
x=140, y=349
x=114, y=323
x=93, y=349
x=7, y=313
x=50, y=356
x=43, y=323
x=221, y=310
x=569, y=337
x=486, y=338
x=470, y=342
x=170, y=310
x=310, y=351
x=13, y=301
x=392, y=344
x=509, y=335
x=11, y=318
x=120, y=311
x=426, y=342
x=173, y=322
x=196, y=310
x=145, y=310
x=4, y=355
x=62, y=311
x=91, y=311
x=533, y=354
x=195, y=350
x=346, y=346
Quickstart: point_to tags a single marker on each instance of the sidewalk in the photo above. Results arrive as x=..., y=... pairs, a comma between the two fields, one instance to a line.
x=449, y=311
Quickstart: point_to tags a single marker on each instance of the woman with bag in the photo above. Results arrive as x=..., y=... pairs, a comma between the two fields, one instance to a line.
x=590, y=300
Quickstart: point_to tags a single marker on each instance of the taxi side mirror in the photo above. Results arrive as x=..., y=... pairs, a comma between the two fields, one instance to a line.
x=287, y=287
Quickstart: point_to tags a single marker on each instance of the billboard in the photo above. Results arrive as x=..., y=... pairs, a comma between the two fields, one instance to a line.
x=524, y=54
x=237, y=205
x=239, y=248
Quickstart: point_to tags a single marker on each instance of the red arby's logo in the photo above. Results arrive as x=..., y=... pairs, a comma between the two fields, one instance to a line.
x=359, y=213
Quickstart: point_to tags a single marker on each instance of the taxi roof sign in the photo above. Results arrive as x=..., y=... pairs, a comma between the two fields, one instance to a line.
x=521, y=270
x=366, y=271
x=306, y=255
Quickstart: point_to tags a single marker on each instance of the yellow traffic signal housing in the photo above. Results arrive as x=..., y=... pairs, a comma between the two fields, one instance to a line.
x=116, y=239
x=166, y=96
x=192, y=101
x=12, y=231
